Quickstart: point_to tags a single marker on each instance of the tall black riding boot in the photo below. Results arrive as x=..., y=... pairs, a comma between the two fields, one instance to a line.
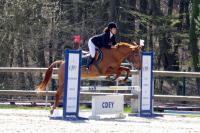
x=90, y=61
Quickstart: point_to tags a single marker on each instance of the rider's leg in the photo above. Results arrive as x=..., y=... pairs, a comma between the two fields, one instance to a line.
x=92, y=51
x=91, y=60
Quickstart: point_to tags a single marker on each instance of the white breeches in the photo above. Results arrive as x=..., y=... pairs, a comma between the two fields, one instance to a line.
x=91, y=47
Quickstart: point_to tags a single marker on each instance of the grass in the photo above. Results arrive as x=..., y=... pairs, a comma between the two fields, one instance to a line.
x=21, y=107
x=127, y=109
x=82, y=107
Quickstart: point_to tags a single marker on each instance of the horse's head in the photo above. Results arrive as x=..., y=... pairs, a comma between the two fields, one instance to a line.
x=131, y=52
x=134, y=57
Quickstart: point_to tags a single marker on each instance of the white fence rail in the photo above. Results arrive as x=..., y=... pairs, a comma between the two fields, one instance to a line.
x=156, y=73
x=51, y=93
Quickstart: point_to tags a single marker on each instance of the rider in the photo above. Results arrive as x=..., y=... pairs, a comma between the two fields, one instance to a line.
x=106, y=40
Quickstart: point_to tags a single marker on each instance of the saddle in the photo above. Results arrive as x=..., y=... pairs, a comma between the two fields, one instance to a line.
x=98, y=57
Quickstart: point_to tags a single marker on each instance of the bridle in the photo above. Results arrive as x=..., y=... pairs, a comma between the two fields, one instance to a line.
x=133, y=54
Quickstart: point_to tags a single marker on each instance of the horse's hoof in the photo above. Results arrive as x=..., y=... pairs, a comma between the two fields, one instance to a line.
x=51, y=111
x=107, y=78
x=122, y=81
x=111, y=78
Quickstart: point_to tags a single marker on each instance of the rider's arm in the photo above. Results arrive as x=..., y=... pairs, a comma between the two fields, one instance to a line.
x=113, y=40
x=105, y=40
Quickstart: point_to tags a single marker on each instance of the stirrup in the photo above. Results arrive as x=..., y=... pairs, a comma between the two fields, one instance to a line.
x=87, y=69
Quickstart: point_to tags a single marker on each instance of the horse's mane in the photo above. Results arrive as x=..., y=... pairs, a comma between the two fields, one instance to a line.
x=126, y=44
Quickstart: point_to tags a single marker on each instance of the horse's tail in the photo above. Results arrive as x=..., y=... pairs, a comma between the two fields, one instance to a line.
x=42, y=86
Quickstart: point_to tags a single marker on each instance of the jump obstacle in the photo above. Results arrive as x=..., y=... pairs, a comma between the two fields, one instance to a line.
x=72, y=87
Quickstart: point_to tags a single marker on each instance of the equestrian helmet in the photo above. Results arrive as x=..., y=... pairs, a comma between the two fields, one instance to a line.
x=112, y=25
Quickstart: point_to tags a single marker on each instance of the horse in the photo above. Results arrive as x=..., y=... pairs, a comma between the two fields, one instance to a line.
x=109, y=65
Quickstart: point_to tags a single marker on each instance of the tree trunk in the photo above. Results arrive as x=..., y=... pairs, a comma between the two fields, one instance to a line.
x=170, y=6
x=181, y=15
x=193, y=41
x=114, y=4
x=187, y=23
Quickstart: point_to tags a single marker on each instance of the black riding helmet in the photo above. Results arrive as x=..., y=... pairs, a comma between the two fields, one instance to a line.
x=112, y=25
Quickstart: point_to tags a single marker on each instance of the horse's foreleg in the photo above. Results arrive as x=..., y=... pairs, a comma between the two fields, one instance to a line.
x=118, y=73
x=59, y=93
x=115, y=77
x=127, y=73
x=110, y=72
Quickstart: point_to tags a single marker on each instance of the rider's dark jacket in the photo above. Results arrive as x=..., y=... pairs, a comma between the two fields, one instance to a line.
x=103, y=40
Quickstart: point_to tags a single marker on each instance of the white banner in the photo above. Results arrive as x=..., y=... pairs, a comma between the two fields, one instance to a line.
x=146, y=84
x=109, y=104
x=72, y=85
x=72, y=82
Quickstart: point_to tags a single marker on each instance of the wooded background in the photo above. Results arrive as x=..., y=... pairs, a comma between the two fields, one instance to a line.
x=34, y=33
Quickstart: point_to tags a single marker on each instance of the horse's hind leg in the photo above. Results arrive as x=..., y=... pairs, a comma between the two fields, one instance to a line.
x=59, y=93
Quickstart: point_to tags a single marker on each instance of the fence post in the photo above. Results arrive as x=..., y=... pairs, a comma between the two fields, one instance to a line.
x=183, y=89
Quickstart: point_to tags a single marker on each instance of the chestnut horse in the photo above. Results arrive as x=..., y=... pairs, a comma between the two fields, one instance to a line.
x=110, y=65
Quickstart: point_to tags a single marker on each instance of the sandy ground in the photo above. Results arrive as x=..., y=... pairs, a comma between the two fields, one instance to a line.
x=38, y=121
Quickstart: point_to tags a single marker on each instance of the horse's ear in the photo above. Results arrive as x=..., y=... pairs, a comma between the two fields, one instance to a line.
x=137, y=45
x=140, y=46
x=134, y=43
x=118, y=44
